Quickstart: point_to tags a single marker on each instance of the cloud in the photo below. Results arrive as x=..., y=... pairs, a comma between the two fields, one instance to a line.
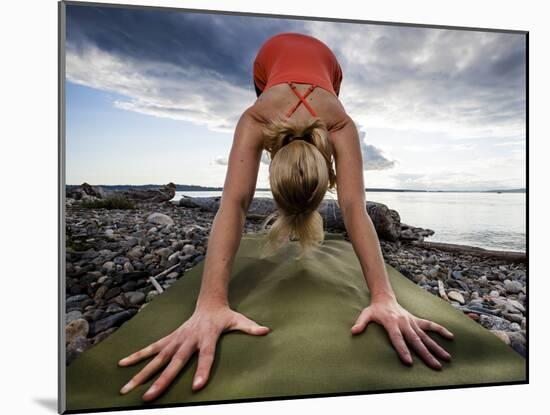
x=221, y=160
x=159, y=88
x=448, y=180
x=178, y=65
x=466, y=83
x=373, y=157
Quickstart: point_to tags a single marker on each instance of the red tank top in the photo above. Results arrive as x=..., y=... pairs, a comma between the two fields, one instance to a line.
x=294, y=57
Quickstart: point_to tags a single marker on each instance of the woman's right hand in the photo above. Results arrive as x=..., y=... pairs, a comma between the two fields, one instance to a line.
x=200, y=332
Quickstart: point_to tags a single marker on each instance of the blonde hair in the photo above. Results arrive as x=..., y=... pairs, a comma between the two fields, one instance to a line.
x=300, y=173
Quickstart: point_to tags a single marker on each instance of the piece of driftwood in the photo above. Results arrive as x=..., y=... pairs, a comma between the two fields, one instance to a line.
x=386, y=221
x=508, y=256
x=164, y=193
x=156, y=285
x=166, y=271
x=88, y=192
x=441, y=289
x=153, y=279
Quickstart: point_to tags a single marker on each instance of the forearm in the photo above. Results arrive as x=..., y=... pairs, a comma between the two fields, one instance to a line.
x=366, y=245
x=223, y=243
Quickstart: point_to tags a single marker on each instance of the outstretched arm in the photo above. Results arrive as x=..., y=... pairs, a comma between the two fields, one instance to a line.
x=238, y=192
x=212, y=315
x=402, y=327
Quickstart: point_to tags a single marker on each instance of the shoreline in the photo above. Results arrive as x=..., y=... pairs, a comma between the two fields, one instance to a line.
x=111, y=255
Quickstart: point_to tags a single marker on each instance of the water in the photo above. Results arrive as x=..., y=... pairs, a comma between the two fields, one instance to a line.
x=487, y=220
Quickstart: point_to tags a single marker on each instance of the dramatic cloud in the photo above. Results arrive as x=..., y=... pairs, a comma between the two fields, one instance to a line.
x=463, y=83
x=179, y=65
x=373, y=159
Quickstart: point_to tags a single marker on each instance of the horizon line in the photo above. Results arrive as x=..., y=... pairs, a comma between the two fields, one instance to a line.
x=220, y=188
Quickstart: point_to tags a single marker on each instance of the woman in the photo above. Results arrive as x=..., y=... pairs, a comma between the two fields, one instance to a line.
x=298, y=76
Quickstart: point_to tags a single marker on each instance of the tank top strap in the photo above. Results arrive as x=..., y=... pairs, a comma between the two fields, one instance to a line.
x=302, y=99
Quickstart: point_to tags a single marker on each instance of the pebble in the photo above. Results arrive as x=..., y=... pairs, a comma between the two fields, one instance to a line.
x=473, y=316
x=111, y=321
x=456, y=296
x=516, y=318
x=100, y=293
x=494, y=322
x=430, y=260
x=457, y=275
x=502, y=336
x=512, y=287
x=72, y=315
x=134, y=297
x=103, y=335
x=160, y=219
x=188, y=249
x=75, y=328
x=76, y=299
x=151, y=295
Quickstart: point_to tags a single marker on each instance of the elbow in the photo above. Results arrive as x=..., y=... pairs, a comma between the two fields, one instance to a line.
x=244, y=202
x=237, y=206
x=243, y=205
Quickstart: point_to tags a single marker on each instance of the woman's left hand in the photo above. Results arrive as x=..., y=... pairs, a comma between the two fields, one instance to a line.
x=402, y=328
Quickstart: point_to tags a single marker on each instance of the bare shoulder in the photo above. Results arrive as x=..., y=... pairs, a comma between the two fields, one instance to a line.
x=339, y=120
x=249, y=128
x=255, y=116
x=344, y=138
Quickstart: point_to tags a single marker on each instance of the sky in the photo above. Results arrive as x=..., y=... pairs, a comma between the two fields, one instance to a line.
x=153, y=96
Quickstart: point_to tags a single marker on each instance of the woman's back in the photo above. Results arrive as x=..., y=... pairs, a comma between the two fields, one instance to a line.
x=277, y=100
x=288, y=61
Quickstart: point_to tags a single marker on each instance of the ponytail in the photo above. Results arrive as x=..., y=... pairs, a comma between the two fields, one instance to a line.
x=300, y=173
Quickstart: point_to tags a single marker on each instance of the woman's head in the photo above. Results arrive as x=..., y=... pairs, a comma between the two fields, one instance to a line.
x=300, y=173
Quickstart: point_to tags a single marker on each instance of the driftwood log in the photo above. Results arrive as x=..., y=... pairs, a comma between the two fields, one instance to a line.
x=164, y=193
x=508, y=256
x=386, y=221
x=86, y=191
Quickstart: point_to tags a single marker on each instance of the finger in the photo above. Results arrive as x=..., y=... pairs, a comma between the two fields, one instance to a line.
x=248, y=326
x=432, y=326
x=362, y=321
x=148, y=351
x=152, y=367
x=178, y=361
x=431, y=344
x=206, y=358
x=419, y=347
x=399, y=344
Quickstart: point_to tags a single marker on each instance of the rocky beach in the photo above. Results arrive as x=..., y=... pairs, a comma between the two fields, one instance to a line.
x=118, y=259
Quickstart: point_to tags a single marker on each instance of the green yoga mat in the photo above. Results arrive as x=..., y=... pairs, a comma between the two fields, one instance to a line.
x=310, y=305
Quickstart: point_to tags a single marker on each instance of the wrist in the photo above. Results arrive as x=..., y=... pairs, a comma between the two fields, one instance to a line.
x=383, y=297
x=211, y=303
